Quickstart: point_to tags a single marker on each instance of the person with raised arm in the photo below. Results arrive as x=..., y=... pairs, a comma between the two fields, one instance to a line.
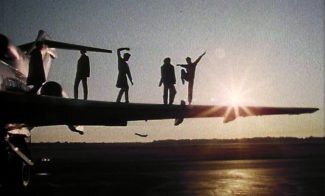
x=189, y=74
x=123, y=74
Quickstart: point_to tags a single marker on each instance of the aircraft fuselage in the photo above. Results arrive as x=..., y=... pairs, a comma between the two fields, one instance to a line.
x=11, y=79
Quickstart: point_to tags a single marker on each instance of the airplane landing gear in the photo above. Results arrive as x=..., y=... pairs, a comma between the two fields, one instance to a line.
x=15, y=164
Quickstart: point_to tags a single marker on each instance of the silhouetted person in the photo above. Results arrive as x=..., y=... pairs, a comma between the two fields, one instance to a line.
x=123, y=73
x=189, y=74
x=83, y=72
x=168, y=79
x=36, y=74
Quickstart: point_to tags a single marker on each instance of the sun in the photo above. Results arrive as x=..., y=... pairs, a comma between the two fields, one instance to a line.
x=235, y=98
x=236, y=101
x=235, y=95
x=238, y=89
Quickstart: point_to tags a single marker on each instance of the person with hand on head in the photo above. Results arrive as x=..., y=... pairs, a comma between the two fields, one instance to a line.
x=123, y=74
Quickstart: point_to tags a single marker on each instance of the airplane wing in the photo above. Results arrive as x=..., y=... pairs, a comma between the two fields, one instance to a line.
x=62, y=45
x=37, y=110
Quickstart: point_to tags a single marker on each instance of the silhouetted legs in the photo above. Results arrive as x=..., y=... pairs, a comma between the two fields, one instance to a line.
x=190, y=91
x=184, y=77
x=84, y=85
x=120, y=94
x=126, y=96
x=172, y=93
x=76, y=85
x=165, y=95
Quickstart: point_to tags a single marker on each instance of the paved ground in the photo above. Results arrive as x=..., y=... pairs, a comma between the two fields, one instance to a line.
x=122, y=170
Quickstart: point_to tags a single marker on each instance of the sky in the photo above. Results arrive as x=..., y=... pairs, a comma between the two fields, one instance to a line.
x=259, y=53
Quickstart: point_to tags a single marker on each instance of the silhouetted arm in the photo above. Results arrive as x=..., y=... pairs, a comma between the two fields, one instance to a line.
x=119, y=51
x=161, y=79
x=198, y=59
x=182, y=65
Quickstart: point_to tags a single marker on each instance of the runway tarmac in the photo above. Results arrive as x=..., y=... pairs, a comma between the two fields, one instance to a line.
x=170, y=170
x=237, y=177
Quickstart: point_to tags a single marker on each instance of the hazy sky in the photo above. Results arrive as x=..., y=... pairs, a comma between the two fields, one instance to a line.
x=265, y=52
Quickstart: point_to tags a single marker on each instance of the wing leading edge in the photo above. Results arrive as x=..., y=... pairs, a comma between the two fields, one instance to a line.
x=43, y=110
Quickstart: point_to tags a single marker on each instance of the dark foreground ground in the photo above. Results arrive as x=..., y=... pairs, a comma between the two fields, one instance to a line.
x=175, y=168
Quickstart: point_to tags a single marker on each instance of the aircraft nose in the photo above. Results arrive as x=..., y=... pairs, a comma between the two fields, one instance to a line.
x=3, y=45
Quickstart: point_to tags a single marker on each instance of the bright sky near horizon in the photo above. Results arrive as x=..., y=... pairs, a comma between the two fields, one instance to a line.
x=259, y=52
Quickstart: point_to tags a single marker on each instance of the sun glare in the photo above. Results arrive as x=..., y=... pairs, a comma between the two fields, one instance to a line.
x=238, y=89
x=235, y=98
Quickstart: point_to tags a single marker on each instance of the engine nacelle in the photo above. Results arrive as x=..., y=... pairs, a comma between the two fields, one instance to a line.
x=51, y=88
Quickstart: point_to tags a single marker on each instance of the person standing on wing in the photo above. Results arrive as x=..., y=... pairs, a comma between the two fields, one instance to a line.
x=83, y=72
x=123, y=73
x=36, y=74
x=169, y=80
x=189, y=74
